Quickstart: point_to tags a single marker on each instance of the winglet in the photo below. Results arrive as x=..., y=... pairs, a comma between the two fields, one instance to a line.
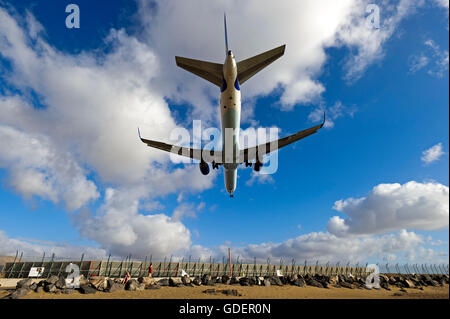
x=324, y=119
x=139, y=133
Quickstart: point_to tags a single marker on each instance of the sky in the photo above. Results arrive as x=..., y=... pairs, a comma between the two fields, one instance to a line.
x=371, y=186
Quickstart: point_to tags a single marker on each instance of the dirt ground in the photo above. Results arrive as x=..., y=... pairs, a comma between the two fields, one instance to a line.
x=256, y=292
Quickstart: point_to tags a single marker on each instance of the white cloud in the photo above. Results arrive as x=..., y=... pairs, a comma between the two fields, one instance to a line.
x=391, y=207
x=37, y=169
x=432, y=154
x=259, y=179
x=434, y=59
x=121, y=229
x=333, y=112
x=417, y=62
x=307, y=27
x=326, y=247
x=92, y=103
x=442, y=3
x=31, y=248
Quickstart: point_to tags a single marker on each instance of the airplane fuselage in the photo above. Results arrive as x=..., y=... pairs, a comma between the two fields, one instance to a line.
x=230, y=110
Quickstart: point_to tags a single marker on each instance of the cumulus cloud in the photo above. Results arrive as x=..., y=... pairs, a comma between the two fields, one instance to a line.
x=37, y=169
x=324, y=247
x=307, y=27
x=390, y=207
x=31, y=248
x=121, y=229
x=432, y=154
x=75, y=115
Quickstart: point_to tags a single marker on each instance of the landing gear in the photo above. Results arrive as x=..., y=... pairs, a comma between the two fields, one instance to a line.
x=231, y=196
x=215, y=165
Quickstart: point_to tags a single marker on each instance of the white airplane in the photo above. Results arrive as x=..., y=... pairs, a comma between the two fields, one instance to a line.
x=229, y=76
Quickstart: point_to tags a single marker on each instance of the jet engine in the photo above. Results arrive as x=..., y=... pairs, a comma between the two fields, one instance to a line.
x=204, y=168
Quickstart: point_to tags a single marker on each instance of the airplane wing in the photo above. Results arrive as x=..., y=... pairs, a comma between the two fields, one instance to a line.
x=208, y=156
x=249, y=154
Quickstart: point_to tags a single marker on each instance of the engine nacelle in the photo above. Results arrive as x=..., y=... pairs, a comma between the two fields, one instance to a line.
x=204, y=168
x=257, y=166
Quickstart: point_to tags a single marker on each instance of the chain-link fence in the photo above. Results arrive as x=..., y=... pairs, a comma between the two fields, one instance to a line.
x=172, y=267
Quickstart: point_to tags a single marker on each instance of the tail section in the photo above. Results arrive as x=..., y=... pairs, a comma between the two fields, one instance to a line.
x=209, y=71
x=249, y=67
x=226, y=33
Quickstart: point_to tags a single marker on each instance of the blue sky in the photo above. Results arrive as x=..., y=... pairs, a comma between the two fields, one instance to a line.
x=386, y=98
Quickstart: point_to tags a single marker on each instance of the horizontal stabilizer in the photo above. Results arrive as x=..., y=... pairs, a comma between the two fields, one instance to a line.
x=209, y=71
x=249, y=67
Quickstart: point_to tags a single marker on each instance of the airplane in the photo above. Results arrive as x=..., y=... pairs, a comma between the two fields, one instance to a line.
x=229, y=76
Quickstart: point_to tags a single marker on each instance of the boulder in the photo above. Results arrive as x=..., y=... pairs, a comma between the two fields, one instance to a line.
x=61, y=283
x=274, y=280
x=205, y=279
x=33, y=286
x=244, y=281
x=234, y=280
x=39, y=289
x=226, y=279
x=384, y=285
x=300, y=282
x=175, y=282
x=100, y=283
x=53, y=279
x=346, y=285
x=132, y=285
x=68, y=291
x=87, y=289
x=408, y=284
x=197, y=281
x=253, y=281
x=50, y=288
x=186, y=280
x=164, y=282
x=334, y=280
x=24, y=283
x=19, y=293
x=266, y=282
x=314, y=283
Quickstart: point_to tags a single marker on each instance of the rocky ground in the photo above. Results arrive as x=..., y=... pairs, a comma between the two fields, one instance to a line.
x=317, y=286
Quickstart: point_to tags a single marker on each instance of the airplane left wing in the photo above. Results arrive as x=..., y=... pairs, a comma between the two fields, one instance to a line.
x=251, y=153
x=207, y=156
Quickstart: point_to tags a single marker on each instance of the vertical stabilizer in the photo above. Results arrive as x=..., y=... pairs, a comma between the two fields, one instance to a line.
x=226, y=34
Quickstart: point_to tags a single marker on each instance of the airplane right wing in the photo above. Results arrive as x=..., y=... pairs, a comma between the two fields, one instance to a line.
x=207, y=156
x=249, y=154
